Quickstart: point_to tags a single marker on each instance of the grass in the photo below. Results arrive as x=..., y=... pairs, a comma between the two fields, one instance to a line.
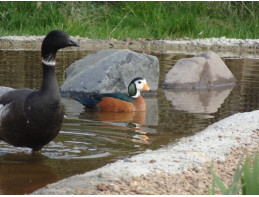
x=119, y=20
x=246, y=179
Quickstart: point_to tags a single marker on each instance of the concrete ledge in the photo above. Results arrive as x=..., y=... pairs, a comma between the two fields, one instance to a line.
x=223, y=46
x=211, y=144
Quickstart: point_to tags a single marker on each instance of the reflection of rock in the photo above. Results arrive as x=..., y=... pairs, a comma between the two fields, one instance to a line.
x=110, y=71
x=72, y=108
x=152, y=111
x=199, y=101
x=202, y=71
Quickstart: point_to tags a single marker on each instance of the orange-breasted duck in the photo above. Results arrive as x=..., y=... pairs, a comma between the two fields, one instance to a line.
x=32, y=118
x=118, y=101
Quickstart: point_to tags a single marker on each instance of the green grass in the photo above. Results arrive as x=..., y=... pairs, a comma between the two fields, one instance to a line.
x=119, y=20
x=246, y=179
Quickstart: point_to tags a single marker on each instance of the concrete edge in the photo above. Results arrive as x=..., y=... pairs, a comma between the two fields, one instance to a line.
x=224, y=46
x=211, y=144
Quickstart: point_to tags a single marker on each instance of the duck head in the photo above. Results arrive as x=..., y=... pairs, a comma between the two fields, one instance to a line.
x=136, y=85
x=54, y=41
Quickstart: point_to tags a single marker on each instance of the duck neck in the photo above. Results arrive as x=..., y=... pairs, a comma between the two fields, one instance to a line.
x=136, y=95
x=140, y=103
x=49, y=83
x=48, y=59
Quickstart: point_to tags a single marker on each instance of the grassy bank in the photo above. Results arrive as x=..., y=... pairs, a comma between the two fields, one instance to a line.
x=119, y=20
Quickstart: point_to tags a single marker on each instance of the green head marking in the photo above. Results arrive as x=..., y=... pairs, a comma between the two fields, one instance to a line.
x=132, y=90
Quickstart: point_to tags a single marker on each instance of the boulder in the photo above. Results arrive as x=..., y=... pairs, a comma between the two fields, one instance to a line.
x=202, y=71
x=110, y=71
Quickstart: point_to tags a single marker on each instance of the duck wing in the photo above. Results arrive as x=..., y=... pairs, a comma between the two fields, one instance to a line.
x=92, y=100
x=12, y=102
x=4, y=89
x=13, y=95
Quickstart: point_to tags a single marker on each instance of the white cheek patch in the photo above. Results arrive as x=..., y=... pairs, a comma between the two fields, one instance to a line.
x=49, y=63
x=140, y=85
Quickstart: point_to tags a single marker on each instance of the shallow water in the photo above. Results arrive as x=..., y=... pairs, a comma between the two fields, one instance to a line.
x=90, y=139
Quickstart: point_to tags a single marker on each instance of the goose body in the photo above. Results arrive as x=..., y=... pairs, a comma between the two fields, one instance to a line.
x=32, y=118
x=118, y=101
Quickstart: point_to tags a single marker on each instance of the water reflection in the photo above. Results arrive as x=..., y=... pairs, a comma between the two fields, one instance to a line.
x=28, y=172
x=134, y=117
x=137, y=121
x=198, y=101
x=90, y=139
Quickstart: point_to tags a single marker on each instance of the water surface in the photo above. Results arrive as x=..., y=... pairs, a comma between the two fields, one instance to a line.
x=90, y=139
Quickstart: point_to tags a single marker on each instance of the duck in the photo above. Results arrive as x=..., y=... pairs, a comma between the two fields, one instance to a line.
x=32, y=118
x=118, y=102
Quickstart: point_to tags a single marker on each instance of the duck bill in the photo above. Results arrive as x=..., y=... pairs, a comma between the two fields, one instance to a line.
x=73, y=43
x=146, y=87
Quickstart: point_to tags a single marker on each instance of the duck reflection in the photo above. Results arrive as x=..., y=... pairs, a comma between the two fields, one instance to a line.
x=24, y=171
x=122, y=121
x=140, y=122
x=134, y=117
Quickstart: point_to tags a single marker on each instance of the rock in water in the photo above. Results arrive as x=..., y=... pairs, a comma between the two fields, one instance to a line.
x=110, y=71
x=205, y=70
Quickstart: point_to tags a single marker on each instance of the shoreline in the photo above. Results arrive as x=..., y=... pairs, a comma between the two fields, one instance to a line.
x=218, y=143
x=225, y=47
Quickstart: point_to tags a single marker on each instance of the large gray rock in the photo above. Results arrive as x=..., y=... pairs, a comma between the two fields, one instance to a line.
x=110, y=71
x=202, y=71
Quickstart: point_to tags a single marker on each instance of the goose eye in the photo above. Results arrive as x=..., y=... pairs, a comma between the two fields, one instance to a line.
x=139, y=82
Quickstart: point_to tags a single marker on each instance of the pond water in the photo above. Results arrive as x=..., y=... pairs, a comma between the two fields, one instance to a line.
x=90, y=139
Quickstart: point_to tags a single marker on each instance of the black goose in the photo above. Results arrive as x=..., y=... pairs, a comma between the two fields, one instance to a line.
x=32, y=118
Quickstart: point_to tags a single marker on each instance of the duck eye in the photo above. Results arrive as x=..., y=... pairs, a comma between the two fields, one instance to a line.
x=57, y=34
x=139, y=82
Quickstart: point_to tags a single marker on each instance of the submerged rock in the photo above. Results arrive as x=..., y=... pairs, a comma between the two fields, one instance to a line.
x=4, y=89
x=202, y=71
x=110, y=71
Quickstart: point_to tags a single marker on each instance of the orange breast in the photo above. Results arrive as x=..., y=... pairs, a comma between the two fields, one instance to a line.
x=113, y=104
x=140, y=104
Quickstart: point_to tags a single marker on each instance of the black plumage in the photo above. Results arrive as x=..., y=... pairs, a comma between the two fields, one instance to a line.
x=32, y=118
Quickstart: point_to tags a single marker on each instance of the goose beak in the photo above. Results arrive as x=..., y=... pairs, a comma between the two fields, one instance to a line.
x=73, y=43
x=146, y=87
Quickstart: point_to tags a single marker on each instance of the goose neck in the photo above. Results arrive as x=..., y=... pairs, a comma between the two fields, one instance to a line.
x=49, y=82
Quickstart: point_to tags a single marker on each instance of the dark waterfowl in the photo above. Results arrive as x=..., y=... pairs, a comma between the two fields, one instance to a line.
x=32, y=118
x=118, y=101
